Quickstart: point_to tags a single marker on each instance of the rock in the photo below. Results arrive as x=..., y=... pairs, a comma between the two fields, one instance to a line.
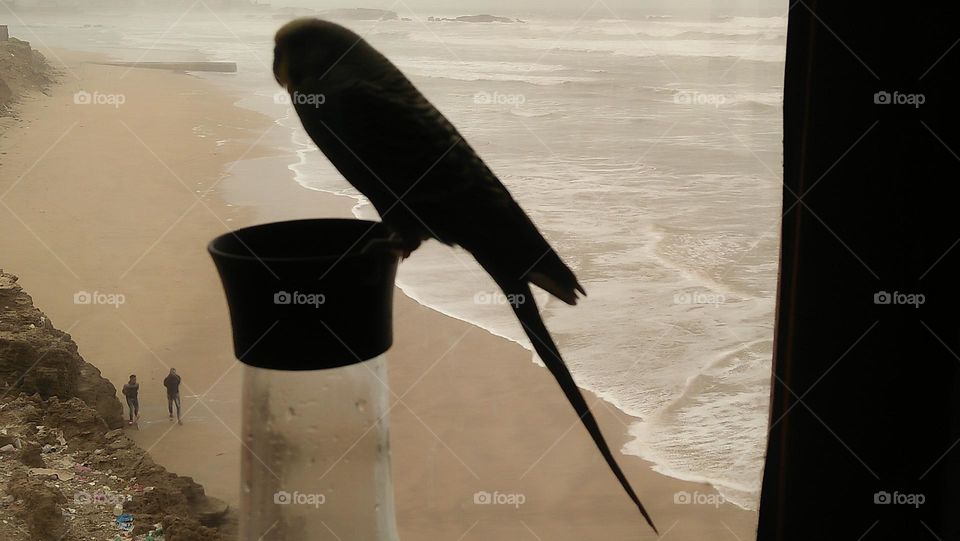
x=179, y=529
x=99, y=394
x=75, y=418
x=483, y=19
x=8, y=448
x=41, y=508
x=113, y=434
x=475, y=19
x=212, y=512
x=31, y=456
x=120, y=443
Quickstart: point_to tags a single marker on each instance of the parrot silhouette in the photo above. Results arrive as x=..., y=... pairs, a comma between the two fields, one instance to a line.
x=425, y=180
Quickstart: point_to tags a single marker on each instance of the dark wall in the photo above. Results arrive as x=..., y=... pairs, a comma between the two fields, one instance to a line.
x=865, y=396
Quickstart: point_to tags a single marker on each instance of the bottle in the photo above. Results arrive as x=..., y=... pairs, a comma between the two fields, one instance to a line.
x=310, y=305
x=316, y=449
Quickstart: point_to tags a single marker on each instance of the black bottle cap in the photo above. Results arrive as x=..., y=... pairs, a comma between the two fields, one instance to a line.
x=308, y=294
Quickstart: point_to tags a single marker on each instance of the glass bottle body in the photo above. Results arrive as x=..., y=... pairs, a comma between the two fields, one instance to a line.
x=316, y=454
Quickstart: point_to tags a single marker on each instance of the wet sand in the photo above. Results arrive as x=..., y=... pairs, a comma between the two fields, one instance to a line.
x=121, y=200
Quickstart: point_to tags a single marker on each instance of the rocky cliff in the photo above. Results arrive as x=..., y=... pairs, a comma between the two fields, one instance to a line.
x=65, y=472
x=36, y=358
x=22, y=70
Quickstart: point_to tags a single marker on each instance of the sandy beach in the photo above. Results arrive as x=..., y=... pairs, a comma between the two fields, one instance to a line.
x=119, y=200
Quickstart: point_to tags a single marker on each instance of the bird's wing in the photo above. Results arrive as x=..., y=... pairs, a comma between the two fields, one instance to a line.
x=406, y=142
x=396, y=145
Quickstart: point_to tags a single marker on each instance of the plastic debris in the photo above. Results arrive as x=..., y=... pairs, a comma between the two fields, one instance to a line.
x=125, y=522
x=60, y=474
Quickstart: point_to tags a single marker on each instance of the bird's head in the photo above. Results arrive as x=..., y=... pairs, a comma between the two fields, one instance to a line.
x=312, y=48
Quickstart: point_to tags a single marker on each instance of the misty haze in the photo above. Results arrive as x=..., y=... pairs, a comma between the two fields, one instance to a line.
x=644, y=143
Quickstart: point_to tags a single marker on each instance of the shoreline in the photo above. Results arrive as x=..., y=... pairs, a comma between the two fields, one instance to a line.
x=443, y=450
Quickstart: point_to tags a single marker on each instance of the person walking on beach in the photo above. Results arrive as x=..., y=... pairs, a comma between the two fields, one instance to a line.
x=172, y=383
x=131, y=390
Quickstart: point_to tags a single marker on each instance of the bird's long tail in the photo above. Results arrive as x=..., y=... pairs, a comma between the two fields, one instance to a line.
x=525, y=307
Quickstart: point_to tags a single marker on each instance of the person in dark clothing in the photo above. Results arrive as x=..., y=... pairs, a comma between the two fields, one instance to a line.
x=172, y=383
x=131, y=390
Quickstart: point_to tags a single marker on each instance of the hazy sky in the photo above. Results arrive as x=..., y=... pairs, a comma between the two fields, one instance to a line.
x=698, y=8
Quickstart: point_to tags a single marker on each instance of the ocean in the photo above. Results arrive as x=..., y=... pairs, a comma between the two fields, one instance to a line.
x=647, y=150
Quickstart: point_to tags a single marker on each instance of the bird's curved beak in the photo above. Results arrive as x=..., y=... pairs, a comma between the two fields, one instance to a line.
x=280, y=68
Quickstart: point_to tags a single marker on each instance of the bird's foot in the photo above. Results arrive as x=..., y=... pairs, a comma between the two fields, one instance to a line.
x=404, y=245
x=408, y=247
